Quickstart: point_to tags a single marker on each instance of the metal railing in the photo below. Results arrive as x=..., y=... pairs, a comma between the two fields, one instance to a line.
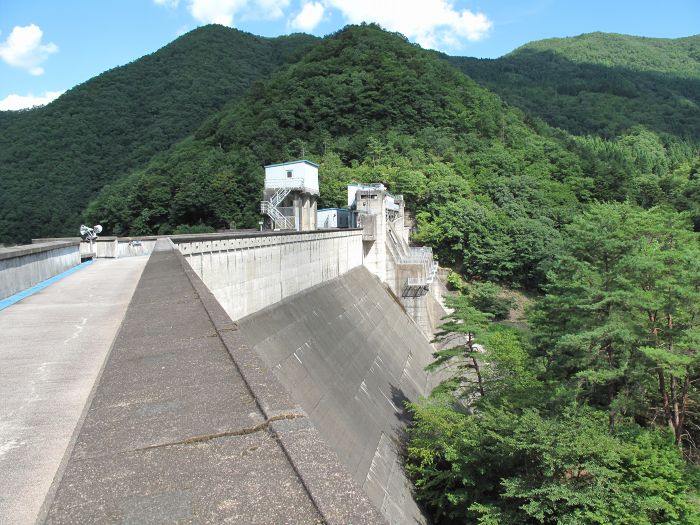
x=280, y=221
x=405, y=254
x=409, y=254
x=270, y=207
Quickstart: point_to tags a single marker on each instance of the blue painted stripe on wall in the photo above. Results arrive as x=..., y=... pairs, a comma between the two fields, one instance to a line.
x=38, y=287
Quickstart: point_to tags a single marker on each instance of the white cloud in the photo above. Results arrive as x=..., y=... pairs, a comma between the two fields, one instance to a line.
x=435, y=24
x=431, y=23
x=271, y=9
x=15, y=102
x=216, y=11
x=23, y=49
x=172, y=4
x=309, y=17
x=224, y=12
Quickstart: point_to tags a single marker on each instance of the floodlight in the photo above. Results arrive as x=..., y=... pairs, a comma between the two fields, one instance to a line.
x=90, y=234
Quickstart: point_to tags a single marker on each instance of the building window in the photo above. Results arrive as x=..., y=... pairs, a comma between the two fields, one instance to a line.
x=289, y=174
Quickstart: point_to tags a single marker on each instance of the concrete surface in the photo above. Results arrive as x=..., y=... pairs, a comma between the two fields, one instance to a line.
x=188, y=425
x=351, y=356
x=27, y=292
x=339, y=499
x=53, y=346
x=22, y=267
x=39, y=247
x=247, y=274
x=118, y=247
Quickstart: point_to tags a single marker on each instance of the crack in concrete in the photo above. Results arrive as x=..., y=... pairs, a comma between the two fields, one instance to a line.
x=218, y=331
x=209, y=437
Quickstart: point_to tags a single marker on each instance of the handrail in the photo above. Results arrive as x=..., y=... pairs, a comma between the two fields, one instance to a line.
x=410, y=254
x=280, y=221
x=269, y=208
x=403, y=253
x=286, y=188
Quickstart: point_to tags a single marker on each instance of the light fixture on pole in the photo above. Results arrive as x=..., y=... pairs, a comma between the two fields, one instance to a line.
x=90, y=234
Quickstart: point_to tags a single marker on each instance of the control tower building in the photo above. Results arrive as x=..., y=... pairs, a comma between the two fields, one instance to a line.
x=291, y=195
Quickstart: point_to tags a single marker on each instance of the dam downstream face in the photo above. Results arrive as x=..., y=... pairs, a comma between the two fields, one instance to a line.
x=351, y=357
x=336, y=339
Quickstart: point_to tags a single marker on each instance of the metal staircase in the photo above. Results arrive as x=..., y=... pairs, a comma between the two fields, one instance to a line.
x=271, y=207
x=403, y=253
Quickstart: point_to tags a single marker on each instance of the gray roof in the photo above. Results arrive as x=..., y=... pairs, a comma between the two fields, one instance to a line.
x=292, y=162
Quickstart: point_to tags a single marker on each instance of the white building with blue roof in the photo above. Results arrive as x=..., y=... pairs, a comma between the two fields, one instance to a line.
x=291, y=195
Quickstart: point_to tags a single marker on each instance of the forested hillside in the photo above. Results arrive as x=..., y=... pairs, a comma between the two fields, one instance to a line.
x=579, y=185
x=370, y=106
x=488, y=187
x=587, y=412
x=55, y=158
x=600, y=83
x=586, y=416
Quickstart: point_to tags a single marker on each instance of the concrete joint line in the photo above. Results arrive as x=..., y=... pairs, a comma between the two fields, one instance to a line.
x=209, y=437
x=200, y=290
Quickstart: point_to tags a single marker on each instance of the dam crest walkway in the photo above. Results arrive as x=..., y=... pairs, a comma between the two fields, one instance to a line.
x=155, y=411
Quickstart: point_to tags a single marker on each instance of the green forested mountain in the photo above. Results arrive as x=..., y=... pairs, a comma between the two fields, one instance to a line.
x=55, y=158
x=487, y=186
x=601, y=83
x=368, y=105
x=679, y=57
x=570, y=171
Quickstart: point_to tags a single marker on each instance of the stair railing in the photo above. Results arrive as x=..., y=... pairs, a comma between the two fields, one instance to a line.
x=269, y=207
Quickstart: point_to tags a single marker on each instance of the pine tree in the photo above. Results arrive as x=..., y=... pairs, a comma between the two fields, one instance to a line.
x=461, y=352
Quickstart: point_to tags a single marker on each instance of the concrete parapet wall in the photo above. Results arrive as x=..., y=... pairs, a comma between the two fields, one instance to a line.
x=22, y=267
x=248, y=273
x=117, y=248
x=109, y=247
x=350, y=356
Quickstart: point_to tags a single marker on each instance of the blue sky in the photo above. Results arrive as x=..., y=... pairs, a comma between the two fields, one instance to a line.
x=48, y=46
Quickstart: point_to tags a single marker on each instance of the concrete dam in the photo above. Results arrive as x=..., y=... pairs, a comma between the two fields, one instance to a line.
x=251, y=378
x=335, y=337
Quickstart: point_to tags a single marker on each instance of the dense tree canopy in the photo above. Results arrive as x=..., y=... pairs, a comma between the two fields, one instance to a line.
x=620, y=317
x=587, y=418
x=517, y=467
x=601, y=83
x=55, y=158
